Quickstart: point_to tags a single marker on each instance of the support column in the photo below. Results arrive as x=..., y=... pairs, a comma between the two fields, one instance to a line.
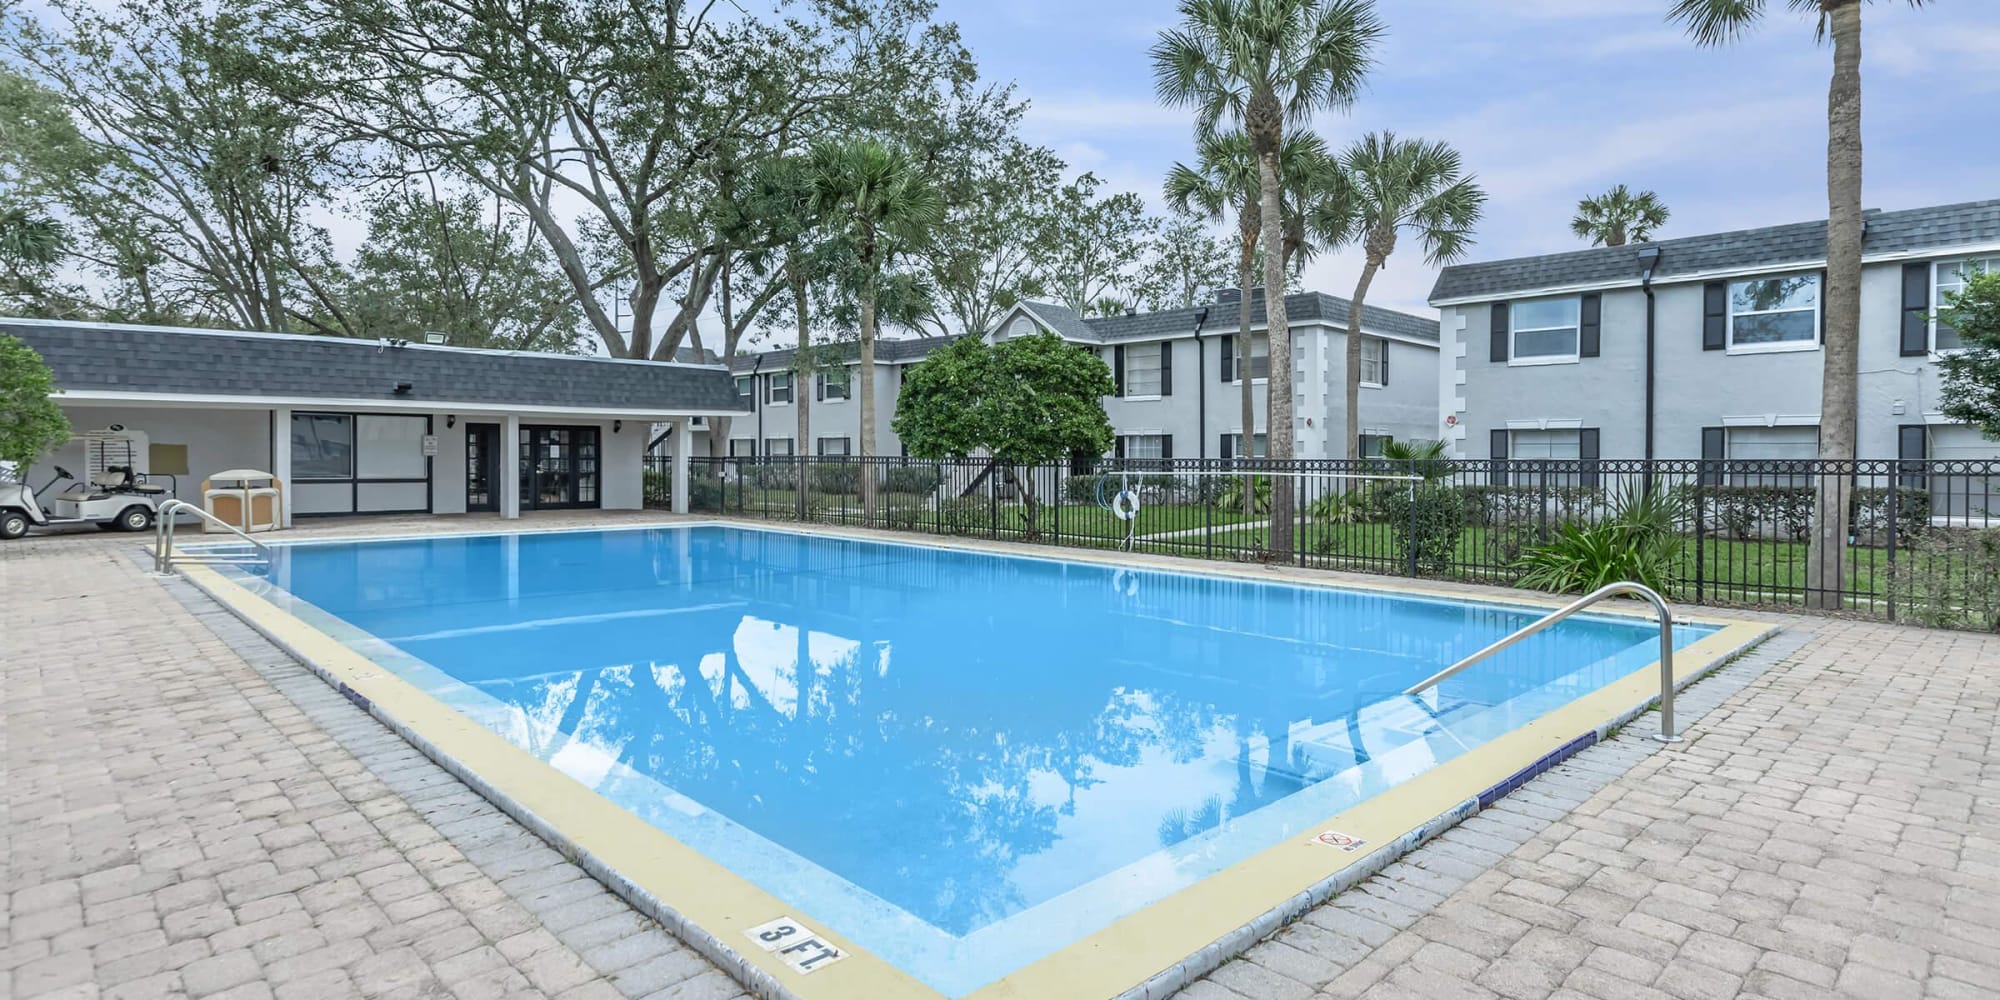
x=281, y=462
x=510, y=467
x=683, y=444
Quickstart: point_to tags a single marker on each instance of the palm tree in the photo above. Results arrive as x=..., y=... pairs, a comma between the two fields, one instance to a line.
x=1264, y=64
x=1227, y=178
x=1618, y=216
x=888, y=206
x=29, y=240
x=1402, y=184
x=1717, y=22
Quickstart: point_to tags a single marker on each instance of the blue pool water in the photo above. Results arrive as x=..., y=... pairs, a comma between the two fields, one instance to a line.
x=962, y=761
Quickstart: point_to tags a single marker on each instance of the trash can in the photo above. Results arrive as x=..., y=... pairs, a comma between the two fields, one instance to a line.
x=246, y=498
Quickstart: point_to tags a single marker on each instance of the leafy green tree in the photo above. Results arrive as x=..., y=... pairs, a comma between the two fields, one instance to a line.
x=1402, y=185
x=1264, y=65
x=1025, y=401
x=29, y=239
x=1972, y=376
x=1618, y=216
x=188, y=186
x=1718, y=22
x=887, y=208
x=1088, y=246
x=462, y=265
x=30, y=421
x=1184, y=264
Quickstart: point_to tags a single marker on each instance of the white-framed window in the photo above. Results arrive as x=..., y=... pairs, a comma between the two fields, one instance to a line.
x=1374, y=351
x=1545, y=331
x=1553, y=446
x=1142, y=370
x=1774, y=314
x=836, y=384
x=742, y=447
x=779, y=388
x=1372, y=442
x=1771, y=456
x=1947, y=278
x=1260, y=358
x=778, y=447
x=836, y=446
x=746, y=387
x=1232, y=446
x=1143, y=446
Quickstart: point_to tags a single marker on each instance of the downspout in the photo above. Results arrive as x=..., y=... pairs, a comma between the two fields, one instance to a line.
x=1649, y=260
x=757, y=403
x=1201, y=388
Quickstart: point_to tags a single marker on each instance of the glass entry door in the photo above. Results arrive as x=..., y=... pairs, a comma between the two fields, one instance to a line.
x=482, y=467
x=559, y=467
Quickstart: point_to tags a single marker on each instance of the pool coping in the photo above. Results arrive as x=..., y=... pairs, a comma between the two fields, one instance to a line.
x=1148, y=954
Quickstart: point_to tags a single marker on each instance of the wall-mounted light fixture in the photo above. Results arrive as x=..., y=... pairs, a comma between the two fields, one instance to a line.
x=450, y=421
x=403, y=388
x=617, y=425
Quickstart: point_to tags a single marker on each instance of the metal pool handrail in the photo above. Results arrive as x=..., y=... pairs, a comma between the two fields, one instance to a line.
x=163, y=538
x=1660, y=611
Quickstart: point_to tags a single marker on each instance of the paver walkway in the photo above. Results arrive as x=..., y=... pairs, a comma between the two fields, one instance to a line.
x=185, y=819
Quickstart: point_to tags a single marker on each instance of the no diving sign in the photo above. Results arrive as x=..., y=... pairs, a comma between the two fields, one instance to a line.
x=1346, y=842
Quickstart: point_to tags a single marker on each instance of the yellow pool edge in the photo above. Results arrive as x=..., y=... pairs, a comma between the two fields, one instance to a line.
x=1149, y=953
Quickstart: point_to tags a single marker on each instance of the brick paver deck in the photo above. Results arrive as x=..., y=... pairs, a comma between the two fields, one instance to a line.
x=190, y=813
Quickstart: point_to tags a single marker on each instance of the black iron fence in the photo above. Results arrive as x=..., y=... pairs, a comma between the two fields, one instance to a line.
x=1923, y=538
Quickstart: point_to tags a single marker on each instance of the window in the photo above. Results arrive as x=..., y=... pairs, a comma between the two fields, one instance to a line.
x=835, y=384
x=1774, y=314
x=1230, y=446
x=1143, y=448
x=1142, y=369
x=779, y=388
x=742, y=447
x=1546, y=331
x=1553, y=446
x=1771, y=456
x=1371, y=444
x=1374, y=361
x=1951, y=278
x=322, y=446
x=746, y=386
x=835, y=446
x=1260, y=358
x=778, y=447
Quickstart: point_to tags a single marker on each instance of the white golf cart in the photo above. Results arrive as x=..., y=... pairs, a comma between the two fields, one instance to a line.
x=114, y=500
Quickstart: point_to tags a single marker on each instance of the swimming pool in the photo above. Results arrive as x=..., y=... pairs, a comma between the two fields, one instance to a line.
x=960, y=761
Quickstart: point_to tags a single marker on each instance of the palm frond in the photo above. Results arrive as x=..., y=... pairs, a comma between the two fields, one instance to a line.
x=1718, y=22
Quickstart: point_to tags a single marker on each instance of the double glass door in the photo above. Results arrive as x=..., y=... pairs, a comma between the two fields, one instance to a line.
x=559, y=467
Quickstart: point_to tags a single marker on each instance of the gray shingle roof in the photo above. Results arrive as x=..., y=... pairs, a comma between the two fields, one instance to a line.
x=886, y=352
x=1910, y=231
x=148, y=359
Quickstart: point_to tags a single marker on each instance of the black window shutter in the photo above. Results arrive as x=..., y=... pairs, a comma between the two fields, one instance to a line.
x=1501, y=320
x=1118, y=448
x=1383, y=373
x=1118, y=368
x=1714, y=442
x=1228, y=449
x=1912, y=448
x=1166, y=367
x=1166, y=446
x=1587, y=337
x=819, y=388
x=1821, y=318
x=1586, y=453
x=1916, y=310
x=1228, y=365
x=1497, y=448
x=1715, y=316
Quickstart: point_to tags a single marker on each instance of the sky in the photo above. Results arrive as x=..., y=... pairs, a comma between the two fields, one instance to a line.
x=1550, y=101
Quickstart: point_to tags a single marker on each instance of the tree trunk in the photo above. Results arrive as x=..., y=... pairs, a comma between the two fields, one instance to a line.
x=1827, y=562
x=1354, y=358
x=867, y=400
x=1245, y=440
x=1278, y=386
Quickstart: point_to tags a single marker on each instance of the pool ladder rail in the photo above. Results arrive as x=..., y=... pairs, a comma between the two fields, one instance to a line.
x=164, y=556
x=1626, y=589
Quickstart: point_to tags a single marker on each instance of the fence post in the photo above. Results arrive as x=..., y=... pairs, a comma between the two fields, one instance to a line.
x=1893, y=527
x=993, y=501
x=1700, y=525
x=1410, y=554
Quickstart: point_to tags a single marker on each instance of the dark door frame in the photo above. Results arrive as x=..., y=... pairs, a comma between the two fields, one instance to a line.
x=530, y=487
x=490, y=453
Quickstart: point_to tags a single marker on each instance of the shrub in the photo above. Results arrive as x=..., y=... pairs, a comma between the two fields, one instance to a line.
x=1913, y=510
x=912, y=479
x=773, y=477
x=1951, y=579
x=965, y=515
x=1231, y=496
x=1637, y=541
x=705, y=493
x=1431, y=528
x=836, y=477
x=1747, y=512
